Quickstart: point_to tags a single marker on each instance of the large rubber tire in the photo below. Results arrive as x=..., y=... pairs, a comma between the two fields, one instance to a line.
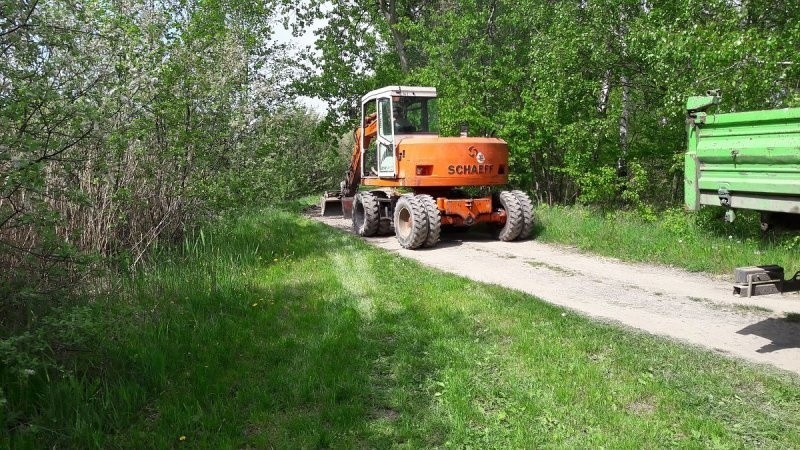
x=527, y=214
x=365, y=214
x=410, y=222
x=434, y=220
x=514, y=218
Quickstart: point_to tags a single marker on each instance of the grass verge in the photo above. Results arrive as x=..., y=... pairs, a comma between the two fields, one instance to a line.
x=271, y=330
x=697, y=242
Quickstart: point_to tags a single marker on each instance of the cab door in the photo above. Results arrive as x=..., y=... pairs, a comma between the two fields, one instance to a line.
x=387, y=163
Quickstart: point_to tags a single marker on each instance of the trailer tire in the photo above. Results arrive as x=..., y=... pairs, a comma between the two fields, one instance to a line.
x=766, y=221
x=527, y=214
x=366, y=218
x=410, y=222
x=434, y=220
x=514, y=218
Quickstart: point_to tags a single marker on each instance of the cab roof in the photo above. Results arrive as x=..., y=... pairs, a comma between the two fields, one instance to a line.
x=400, y=91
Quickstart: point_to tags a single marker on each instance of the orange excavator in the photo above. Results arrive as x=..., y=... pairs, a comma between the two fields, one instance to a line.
x=397, y=146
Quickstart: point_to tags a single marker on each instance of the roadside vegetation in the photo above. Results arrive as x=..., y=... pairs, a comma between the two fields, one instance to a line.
x=271, y=330
x=697, y=242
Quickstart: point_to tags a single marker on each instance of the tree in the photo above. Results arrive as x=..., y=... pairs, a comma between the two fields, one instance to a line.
x=589, y=94
x=118, y=119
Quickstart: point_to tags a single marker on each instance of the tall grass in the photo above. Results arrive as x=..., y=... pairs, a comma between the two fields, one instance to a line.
x=270, y=330
x=697, y=242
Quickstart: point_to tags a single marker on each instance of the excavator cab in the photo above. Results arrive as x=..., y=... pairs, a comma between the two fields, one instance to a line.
x=399, y=117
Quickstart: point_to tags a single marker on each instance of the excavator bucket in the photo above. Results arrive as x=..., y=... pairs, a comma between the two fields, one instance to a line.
x=334, y=204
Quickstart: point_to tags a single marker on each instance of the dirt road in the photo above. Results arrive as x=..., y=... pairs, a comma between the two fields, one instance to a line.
x=690, y=307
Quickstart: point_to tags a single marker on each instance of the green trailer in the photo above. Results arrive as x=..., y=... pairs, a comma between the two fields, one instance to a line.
x=743, y=160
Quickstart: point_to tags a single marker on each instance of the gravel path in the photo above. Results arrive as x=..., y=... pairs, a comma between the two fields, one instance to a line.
x=690, y=307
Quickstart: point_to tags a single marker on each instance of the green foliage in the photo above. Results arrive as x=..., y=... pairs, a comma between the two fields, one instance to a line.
x=792, y=244
x=562, y=81
x=286, y=159
x=126, y=123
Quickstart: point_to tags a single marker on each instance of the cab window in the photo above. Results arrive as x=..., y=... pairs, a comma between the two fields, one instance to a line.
x=385, y=116
x=416, y=115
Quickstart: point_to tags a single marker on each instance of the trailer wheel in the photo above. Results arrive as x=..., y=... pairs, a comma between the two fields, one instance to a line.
x=410, y=222
x=527, y=214
x=514, y=217
x=365, y=214
x=434, y=220
x=766, y=221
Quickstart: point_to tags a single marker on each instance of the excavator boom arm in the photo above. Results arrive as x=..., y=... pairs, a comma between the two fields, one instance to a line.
x=341, y=202
x=353, y=177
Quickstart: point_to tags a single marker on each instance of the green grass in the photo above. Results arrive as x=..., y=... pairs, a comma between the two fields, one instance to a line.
x=697, y=242
x=271, y=330
x=751, y=308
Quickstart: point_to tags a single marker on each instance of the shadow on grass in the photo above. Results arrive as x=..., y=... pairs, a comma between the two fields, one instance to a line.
x=308, y=369
x=783, y=333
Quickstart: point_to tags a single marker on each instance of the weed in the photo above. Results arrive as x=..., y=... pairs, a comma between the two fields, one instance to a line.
x=552, y=267
x=751, y=308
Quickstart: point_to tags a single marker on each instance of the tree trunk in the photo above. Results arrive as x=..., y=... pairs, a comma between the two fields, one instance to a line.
x=605, y=87
x=389, y=10
x=624, y=116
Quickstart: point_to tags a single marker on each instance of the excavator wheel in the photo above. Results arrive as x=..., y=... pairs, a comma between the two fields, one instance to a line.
x=434, y=220
x=527, y=214
x=410, y=222
x=514, y=217
x=365, y=214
